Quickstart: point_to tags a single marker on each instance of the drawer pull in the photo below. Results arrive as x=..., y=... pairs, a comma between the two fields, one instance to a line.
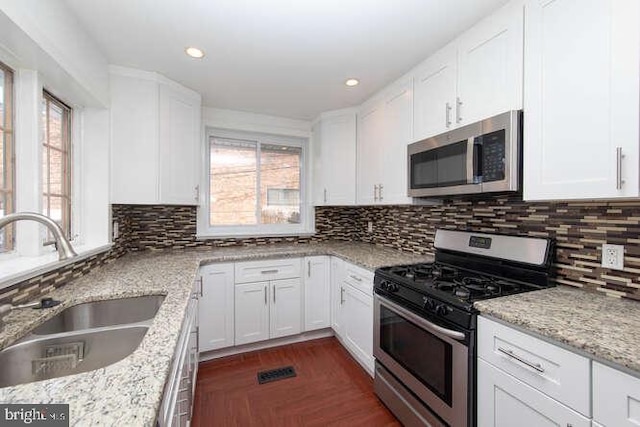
x=511, y=354
x=269, y=271
x=355, y=278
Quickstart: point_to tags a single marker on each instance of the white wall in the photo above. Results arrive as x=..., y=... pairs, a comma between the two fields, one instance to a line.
x=251, y=122
x=54, y=30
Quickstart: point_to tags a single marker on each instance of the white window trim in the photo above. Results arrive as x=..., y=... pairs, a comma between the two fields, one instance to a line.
x=306, y=226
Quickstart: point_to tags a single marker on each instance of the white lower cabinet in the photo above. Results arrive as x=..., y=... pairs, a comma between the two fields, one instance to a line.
x=216, y=310
x=504, y=401
x=251, y=312
x=616, y=397
x=358, y=325
x=265, y=310
x=337, y=295
x=177, y=402
x=317, y=293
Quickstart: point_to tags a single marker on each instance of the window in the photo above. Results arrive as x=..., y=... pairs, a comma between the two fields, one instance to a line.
x=56, y=162
x=6, y=155
x=256, y=184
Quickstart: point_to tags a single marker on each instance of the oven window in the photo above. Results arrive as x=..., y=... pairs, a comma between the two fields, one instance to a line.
x=424, y=355
x=440, y=167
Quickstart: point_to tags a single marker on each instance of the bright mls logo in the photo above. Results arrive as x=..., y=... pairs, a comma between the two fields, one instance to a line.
x=54, y=415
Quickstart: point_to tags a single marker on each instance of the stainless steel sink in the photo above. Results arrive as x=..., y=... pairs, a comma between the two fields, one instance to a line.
x=41, y=358
x=102, y=313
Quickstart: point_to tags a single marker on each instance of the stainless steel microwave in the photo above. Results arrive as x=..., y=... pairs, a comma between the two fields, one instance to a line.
x=482, y=157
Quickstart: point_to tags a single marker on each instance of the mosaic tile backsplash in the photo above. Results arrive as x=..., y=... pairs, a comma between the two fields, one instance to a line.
x=580, y=229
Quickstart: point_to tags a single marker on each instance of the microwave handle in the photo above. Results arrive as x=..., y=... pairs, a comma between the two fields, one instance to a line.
x=477, y=159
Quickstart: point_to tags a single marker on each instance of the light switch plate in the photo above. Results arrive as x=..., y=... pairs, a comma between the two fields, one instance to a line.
x=613, y=256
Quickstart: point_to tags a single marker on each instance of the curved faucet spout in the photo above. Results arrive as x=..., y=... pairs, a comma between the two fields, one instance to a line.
x=65, y=250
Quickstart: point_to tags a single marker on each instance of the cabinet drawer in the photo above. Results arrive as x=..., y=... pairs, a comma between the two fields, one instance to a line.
x=271, y=269
x=558, y=373
x=359, y=278
x=616, y=397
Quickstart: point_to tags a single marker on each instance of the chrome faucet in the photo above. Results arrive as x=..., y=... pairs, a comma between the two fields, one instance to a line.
x=65, y=250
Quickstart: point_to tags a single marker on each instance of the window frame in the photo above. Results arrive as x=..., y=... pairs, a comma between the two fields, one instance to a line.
x=205, y=230
x=68, y=161
x=7, y=127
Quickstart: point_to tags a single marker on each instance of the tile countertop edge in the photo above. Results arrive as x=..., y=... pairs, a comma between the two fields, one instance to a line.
x=590, y=328
x=130, y=391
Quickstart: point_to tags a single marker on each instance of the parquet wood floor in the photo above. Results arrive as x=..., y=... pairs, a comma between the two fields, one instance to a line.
x=330, y=389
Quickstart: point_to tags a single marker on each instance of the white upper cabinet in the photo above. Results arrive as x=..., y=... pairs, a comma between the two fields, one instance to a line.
x=435, y=94
x=581, y=99
x=490, y=66
x=155, y=139
x=473, y=78
x=334, y=160
x=384, y=130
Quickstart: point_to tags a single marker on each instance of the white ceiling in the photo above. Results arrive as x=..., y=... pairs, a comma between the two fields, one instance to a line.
x=286, y=58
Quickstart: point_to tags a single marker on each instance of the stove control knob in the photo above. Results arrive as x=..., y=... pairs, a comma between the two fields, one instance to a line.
x=429, y=304
x=442, y=310
x=389, y=286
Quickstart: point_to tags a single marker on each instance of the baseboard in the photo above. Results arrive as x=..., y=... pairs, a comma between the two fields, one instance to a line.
x=305, y=336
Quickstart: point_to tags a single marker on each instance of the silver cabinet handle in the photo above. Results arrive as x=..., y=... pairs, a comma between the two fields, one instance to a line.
x=274, y=294
x=458, y=108
x=265, y=296
x=447, y=110
x=341, y=295
x=325, y=195
x=201, y=290
x=356, y=278
x=538, y=367
x=269, y=271
x=308, y=268
x=380, y=192
x=375, y=193
x=619, y=157
x=197, y=191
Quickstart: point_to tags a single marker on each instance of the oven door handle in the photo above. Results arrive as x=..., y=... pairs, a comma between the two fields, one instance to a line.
x=456, y=335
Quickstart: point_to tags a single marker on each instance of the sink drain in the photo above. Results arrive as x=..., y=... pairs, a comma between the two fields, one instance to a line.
x=276, y=374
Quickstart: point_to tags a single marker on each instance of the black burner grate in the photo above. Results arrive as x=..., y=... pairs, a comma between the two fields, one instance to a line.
x=276, y=374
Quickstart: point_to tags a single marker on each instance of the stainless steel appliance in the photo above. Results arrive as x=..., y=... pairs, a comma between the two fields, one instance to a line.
x=478, y=158
x=425, y=323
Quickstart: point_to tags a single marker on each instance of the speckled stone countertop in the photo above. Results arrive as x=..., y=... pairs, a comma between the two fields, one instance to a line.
x=129, y=392
x=603, y=328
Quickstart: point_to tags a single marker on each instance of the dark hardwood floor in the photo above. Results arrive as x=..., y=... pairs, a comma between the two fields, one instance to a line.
x=330, y=389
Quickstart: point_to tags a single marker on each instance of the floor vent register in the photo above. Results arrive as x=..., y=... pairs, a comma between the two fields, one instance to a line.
x=276, y=374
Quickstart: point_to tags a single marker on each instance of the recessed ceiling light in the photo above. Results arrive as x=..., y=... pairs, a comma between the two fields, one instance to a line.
x=194, y=52
x=352, y=82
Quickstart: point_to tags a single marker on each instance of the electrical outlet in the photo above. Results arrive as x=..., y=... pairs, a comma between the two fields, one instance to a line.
x=370, y=227
x=613, y=256
x=116, y=230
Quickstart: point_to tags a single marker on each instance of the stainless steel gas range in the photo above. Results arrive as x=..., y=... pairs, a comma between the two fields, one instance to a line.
x=425, y=323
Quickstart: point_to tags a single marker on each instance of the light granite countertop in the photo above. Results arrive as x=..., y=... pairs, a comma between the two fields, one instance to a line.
x=129, y=392
x=604, y=328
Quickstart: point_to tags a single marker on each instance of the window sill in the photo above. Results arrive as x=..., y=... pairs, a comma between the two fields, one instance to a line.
x=15, y=269
x=249, y=235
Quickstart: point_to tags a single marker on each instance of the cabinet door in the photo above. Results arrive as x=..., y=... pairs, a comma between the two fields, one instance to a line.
x=370, y=137
x=358, y=325
x=435, y=94
x=134, y=140
x=490, y=66
x=393, y=149
x=581, y=99
x=337, y=295
x=251, y=312
x=339, y=159
x=503, y=401
x=286, y=307
x=216, y=307
x=616, y=397
x=317, y=301
x=179, y=146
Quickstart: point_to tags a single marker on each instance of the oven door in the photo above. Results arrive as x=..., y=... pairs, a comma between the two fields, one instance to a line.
x=428, y=359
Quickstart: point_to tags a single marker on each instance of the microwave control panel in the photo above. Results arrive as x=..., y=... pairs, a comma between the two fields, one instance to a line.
x=493, y=156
